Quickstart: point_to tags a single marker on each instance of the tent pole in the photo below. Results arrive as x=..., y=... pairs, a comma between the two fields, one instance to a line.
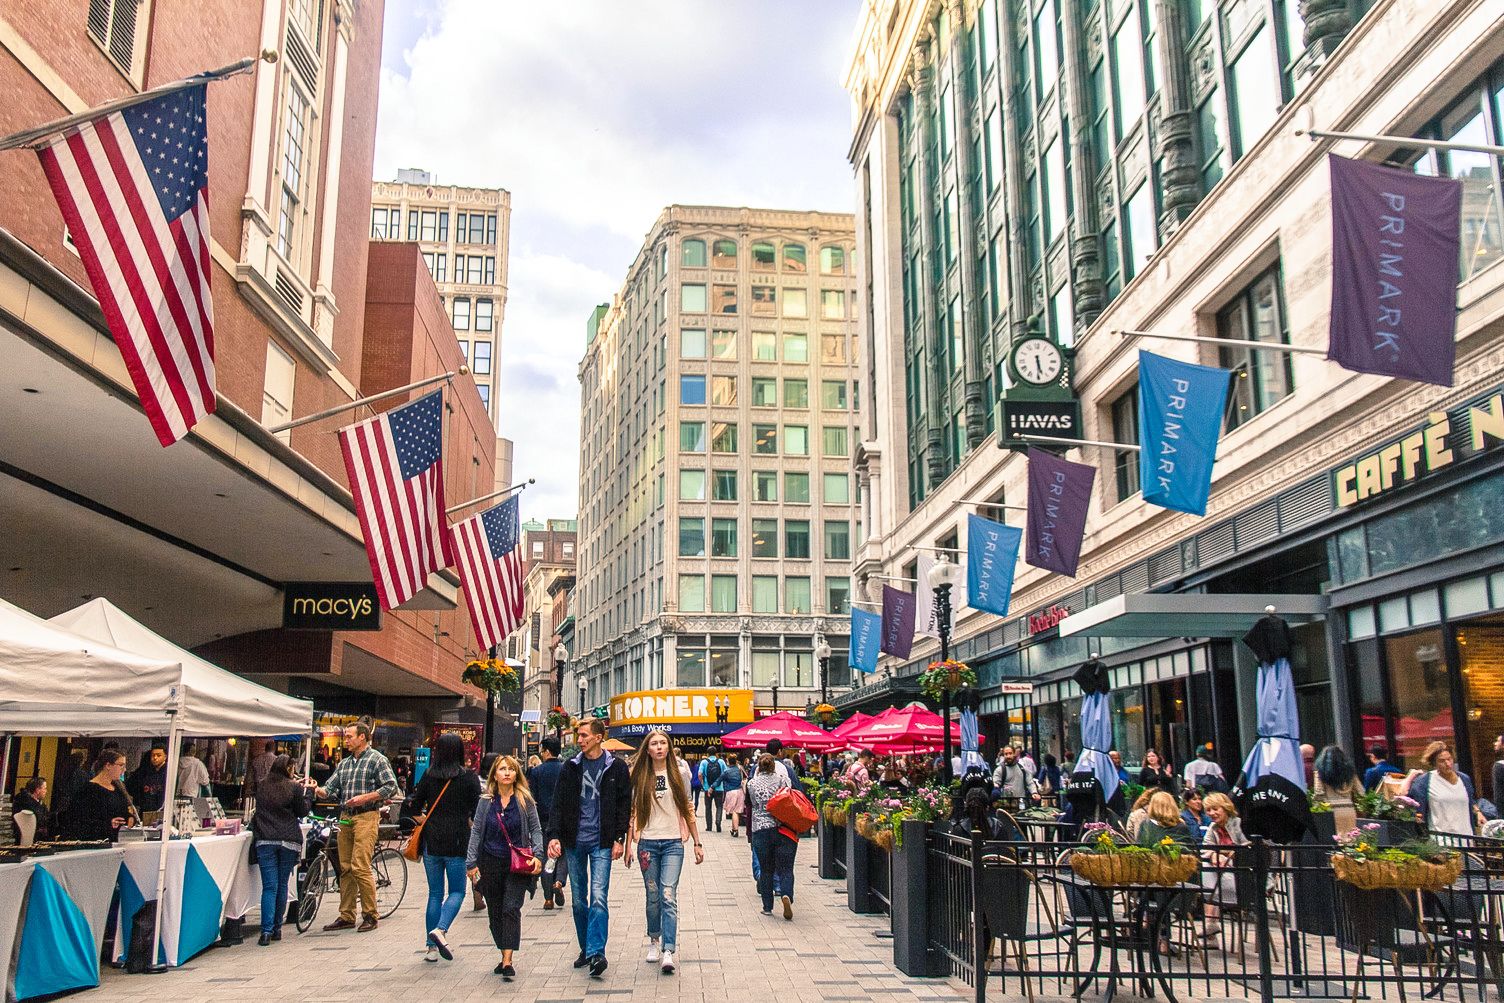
x=6, y=738
x=169, y=796
x=308, y=750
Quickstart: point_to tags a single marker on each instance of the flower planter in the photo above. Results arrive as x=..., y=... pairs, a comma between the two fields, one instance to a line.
x=909, y=903
x=858, y=887
x=1407, y=875
x=1112, y=869
x=883, y=838
x=830, y=853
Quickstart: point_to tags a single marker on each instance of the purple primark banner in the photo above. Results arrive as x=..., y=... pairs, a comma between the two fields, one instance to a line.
x=1395, y=245
x=898, y=622
x=1059, y=495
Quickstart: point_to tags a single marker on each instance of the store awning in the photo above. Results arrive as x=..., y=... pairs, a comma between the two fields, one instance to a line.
x=1152, y=614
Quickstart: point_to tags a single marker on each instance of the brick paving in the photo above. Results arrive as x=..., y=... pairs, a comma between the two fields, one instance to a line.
x=728, y=951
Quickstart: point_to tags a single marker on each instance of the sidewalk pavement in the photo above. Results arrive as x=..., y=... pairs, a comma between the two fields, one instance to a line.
x=728, y=951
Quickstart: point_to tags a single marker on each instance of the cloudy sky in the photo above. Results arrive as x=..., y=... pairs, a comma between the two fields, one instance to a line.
x=595, y=114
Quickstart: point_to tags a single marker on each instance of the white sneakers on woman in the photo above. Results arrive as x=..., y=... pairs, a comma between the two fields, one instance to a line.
x=668, y=962
x=653, y=954
x=666, y=957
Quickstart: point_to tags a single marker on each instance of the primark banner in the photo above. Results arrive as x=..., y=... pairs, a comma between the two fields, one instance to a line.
x=1396, y=238
x=1059, y=496
x=898, y=622
x=992, y=557
x=866, y=636
x=1180, y=406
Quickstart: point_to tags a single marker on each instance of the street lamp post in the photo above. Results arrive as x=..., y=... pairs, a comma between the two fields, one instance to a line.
x=822, y=652
x=775, y=698
x=583, y=687
x=561, y=655
x=944, y=576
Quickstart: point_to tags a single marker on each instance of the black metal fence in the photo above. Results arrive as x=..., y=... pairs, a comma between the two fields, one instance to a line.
x=1261, y=921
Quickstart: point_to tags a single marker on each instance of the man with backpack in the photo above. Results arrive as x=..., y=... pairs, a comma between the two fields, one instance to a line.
x=711, y=769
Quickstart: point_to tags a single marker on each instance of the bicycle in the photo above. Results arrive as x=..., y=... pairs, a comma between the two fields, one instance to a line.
x=319, y=872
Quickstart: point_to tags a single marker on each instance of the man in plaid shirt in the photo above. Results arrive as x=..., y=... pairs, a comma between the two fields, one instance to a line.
x=363, y=781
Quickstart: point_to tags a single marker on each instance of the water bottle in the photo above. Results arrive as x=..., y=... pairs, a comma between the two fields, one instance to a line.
x=548, y=868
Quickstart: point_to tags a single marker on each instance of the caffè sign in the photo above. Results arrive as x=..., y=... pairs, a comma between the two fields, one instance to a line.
x=1447, y=437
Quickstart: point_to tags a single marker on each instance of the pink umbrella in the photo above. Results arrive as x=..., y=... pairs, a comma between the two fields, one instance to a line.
x=911, y=728
x=790, y=729
x=849, y=725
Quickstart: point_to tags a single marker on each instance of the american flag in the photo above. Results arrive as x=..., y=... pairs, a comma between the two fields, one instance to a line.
x=133, y=187
x=397, y=476
x=491, y=567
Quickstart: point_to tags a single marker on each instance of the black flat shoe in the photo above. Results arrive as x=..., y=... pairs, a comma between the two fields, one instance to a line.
x=264, y=940
x=508, y=973
x=582, y=960
x=277, y=933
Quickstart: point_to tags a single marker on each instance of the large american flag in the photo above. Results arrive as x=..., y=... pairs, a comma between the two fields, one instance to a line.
x=396, y=473
x=491, y=567
x=133, y=187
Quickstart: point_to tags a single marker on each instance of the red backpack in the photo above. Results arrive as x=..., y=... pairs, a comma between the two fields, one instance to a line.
x=792, y=810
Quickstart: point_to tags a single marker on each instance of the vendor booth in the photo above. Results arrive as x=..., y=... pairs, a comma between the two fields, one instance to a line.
x=94, y=671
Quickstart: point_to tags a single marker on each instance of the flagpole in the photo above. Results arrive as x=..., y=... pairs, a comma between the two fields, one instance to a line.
x=1430, y=144
x=934, y=550
x=1233, y=342
x=895, y=578
x=26, y=137
x=1130, y=447
x=494, y=494
x=987, y=504
x=352, y=405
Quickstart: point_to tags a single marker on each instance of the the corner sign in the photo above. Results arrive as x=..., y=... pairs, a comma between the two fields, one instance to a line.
x=1445, y=438
x=330, y=606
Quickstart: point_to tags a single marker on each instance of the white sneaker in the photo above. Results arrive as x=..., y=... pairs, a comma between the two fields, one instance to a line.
x=668, y=962
x=653, y=954
x=432, y=955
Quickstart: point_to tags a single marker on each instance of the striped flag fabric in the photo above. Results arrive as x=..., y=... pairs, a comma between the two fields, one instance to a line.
x=396, y=467
x=133, y=187
x=491, y=568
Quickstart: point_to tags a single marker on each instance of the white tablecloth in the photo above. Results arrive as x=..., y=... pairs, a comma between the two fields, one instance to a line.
x=201, y=876
x=13, y=881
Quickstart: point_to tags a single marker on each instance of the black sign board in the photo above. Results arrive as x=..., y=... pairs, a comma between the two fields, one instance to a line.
x=1017, y=418
x=330, y=606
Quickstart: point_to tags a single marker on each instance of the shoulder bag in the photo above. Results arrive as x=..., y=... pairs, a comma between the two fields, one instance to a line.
x=410, y=849
x=522, y=857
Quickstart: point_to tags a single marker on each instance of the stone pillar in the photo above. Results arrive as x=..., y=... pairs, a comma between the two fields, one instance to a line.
x=1086, y=262
x=924, y=187
x=1020, y=293
x=1175, y=147
x=974, y=339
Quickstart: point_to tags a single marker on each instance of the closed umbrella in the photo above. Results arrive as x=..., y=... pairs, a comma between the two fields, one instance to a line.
x=969, y=701
x=1271, y=793
x=1094, y=779
x=790, y=729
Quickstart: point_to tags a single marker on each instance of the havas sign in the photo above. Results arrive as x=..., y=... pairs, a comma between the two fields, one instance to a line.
x=330, y=606
x=1017, y=418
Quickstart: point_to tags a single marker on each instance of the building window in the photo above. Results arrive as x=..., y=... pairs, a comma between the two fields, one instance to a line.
x=725, y=485
x=765, y=594
x=796, y=595
x=765, y=485
x=765, y=440
x=764, y=346
x=691, y=536
x=1140, y=235
x=723, y=390
x=483, y=308
x=465, y=350
x=795, y=348
x=764, y=301
x=796, y=440
x=833, y=304
x=1128, y=72
x=723, y=344
x=723, y=538
x=692, y=595
x=762, y=256
x=796, y=393
x=796, y=539
x=276, y=395
x=1256, y=90
x=764, y=391
x=485, y=395
x=691, y=390
x=460, y=308
x=833, y=349
x=1260, y=379
x=537, y=548
x=794, y=259
x=1046, y=49
x=837, y=540
x=290, y=209
x=1478, y=117
x=475, y=228
x=691, y=437
x=1125, y=429
x=691, y=485
x=692, y=253
x=723, y=437
x=723, y=254
x=386, y=224
x=833, y=440
x=692, y=298
x=796, y=303
x=692, y=343
x=765, y=667
x=796, y=488
x=837, y=595
x=723, y=593
x=723, y=299
x=832, y=260
x=116, y=25
x=481, y=365
x=835, y=489
x=765, y=538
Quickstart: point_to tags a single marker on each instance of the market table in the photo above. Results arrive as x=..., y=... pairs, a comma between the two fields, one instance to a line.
x=53, y=911
x=201, y=874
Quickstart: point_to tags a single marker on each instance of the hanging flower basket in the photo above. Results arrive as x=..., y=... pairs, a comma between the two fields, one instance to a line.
x=557, y=720
x=864, y=825
x=946, y=677
x=836, y=815
x=492, y=676
x=883, y=837
x=1127, y=868
x=1410, y=874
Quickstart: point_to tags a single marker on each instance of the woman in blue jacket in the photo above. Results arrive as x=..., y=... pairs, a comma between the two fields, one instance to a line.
x=1448, y=800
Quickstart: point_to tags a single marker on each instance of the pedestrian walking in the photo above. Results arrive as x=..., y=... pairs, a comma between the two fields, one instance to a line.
x=543, y=780
x=361, y=782
x=505, y=855
x=711, y=769
x=774, y=846
x=731, y=780
x=663, y=820
x=443, y=803
x=277, y=835
x=693, y=764
x=588, y=830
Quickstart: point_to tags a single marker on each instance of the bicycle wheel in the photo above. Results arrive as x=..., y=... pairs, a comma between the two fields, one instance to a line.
x=390, y=870
x=313, y=893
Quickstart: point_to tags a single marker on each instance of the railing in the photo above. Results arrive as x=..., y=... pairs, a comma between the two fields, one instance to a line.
x=1260, y=922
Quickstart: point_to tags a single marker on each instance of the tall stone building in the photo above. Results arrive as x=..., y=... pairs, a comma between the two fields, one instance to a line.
x=464, y=233
x=719, y=394
x=1072, y=171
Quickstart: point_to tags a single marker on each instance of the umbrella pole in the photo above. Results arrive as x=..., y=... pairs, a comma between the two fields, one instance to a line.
x=169, y=797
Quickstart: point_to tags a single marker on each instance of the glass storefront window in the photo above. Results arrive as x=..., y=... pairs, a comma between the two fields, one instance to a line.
x=1466, y=598
x=1480, y=650
x=1128, y=723
x=1420, y=701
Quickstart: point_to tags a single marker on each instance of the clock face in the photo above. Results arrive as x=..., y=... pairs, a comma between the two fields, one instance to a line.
x=1037, y=361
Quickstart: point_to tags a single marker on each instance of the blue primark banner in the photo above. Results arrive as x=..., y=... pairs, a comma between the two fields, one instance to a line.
x=991, y=557
x=866, y=636
x=1180, y=407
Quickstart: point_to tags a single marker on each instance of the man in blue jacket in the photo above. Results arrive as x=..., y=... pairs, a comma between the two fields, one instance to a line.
x=542, y=779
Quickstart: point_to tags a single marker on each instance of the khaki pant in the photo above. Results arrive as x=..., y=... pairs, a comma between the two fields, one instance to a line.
x=357, y=841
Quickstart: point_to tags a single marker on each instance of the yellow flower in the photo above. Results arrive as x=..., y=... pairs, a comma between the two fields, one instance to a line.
x=1167, y=841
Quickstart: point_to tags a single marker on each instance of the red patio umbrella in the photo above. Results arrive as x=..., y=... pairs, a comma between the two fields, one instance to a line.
x=849, y=725
x=903, y=729
x=790, y=729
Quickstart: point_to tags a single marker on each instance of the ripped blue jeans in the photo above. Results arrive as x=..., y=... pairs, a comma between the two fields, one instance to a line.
x=661, y=861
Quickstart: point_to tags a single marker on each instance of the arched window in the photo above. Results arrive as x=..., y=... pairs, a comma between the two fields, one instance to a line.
x=762, y=256
x=692, y=253
x=723, y=254
x=833, y=260
x=794, y=258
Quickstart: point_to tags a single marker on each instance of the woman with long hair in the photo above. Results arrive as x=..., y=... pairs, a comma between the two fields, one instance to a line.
x=281, y=803
x=102, y=806
x=662, y=819
x=773, y=845
x=444, y=802
x=506, y=819
x=730, y=782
